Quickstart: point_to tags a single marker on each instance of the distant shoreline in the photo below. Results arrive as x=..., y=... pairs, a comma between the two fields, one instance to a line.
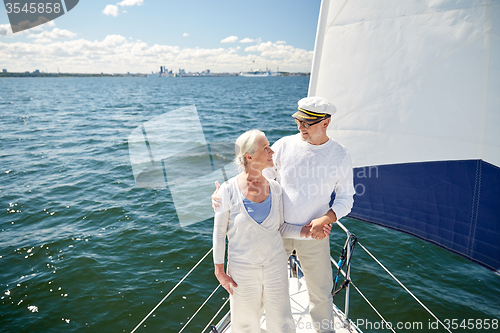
x=18, y=74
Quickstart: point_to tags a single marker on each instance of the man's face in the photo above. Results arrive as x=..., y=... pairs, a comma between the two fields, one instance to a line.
x=313, y=133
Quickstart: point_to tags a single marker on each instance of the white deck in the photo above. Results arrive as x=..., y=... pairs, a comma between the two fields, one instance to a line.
x=299, y=300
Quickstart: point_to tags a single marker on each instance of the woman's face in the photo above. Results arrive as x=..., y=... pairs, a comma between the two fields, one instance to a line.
x=262, y=157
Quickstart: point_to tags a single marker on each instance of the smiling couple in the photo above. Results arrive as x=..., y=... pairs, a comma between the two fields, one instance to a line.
x=264, y=220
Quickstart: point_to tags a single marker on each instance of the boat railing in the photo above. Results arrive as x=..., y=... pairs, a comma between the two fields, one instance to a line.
x=346, y=274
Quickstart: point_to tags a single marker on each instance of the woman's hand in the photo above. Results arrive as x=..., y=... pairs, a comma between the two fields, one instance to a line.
x=305, y=232
x=216, y=200
x=225, y=280
x=326, y=229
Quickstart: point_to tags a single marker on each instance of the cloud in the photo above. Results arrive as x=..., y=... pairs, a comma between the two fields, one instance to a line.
x=125, y=3
x=230, y=39
x=45, y=25
x=280, y=42
x=114, y=40
x=43, y=40
x=111, y=10
x=248, y=40
x=55, y=33
x=118, y=54
x=5, y=30
x=279, y=50
x=185, y=34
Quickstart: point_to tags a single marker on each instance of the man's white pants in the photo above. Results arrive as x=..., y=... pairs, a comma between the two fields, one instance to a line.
x=314, y=257
x=261, y=286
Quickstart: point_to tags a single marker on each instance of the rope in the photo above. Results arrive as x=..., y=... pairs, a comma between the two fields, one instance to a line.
x=362, y=295
x=213, y=292
x=170, y=292
x=213, y=318
x=370, y=304
x=402, y=285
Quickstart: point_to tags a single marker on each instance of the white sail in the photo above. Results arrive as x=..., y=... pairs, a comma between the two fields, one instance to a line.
x=416, y=80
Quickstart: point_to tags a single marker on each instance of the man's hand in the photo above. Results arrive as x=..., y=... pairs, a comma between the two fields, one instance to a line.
x=225, y=280
x=317, y=231
x=216, y=200
x=305, y=232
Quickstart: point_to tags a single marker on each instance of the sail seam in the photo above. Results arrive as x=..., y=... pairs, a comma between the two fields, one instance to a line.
x=474, y=210
x=318, y=47
x=336, y=16
x=482, y=124
x=486, y=67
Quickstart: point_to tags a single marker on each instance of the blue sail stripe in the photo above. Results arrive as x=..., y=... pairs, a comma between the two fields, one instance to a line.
x=454, y=204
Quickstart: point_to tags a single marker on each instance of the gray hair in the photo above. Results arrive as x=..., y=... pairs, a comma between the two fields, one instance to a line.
x=246, y=144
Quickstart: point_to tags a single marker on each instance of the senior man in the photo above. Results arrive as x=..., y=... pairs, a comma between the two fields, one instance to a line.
x=315, y=173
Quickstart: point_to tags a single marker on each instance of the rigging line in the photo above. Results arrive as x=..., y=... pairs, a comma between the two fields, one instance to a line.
x=194, y=315
x=213, y=318
x=402, y=285
x=170, y=292
x=364, y=297
x=374, y=309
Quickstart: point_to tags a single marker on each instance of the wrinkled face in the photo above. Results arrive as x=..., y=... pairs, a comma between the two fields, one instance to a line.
x=314, y=132
x=263, y=156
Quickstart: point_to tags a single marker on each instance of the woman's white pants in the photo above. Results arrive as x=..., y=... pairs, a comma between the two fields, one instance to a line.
x=261, y=288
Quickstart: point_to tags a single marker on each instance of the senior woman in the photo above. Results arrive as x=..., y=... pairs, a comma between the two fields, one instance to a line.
x=251, y=216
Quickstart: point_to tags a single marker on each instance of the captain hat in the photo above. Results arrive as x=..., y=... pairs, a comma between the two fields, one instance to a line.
x=313, y=108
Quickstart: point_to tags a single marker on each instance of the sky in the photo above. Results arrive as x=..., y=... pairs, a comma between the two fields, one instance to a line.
x=139, y=36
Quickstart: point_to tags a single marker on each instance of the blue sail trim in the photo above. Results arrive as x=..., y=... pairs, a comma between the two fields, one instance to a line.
x=454, y=204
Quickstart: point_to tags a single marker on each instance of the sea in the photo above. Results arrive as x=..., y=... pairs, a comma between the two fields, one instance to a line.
x=84, y=249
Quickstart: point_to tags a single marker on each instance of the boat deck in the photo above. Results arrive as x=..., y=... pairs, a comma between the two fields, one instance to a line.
x=299, y=300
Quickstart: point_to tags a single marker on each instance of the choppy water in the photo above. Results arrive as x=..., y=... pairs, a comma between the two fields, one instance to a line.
x=83, y=249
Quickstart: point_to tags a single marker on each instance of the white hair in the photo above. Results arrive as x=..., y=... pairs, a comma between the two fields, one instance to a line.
x=246, y=143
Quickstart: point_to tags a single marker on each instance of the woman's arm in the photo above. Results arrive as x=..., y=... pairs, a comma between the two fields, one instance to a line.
x=221, y=223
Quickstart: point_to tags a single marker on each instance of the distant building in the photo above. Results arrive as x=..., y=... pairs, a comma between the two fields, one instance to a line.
x=4, y=70
x=36, y=71
x=182, y=71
